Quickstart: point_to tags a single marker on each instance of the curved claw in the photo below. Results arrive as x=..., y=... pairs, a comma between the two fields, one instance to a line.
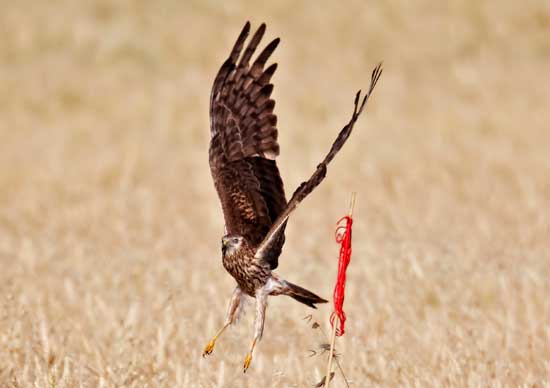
x=209, y=348
x=247, y=361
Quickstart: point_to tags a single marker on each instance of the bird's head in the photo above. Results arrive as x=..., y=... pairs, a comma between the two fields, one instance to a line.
x=231, y=243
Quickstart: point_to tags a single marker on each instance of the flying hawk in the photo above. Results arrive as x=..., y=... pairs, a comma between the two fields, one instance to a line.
x=243, y=149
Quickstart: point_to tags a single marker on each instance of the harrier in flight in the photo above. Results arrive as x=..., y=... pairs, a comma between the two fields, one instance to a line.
x=243, y=149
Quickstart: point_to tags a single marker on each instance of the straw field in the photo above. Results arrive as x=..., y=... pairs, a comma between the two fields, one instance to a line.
x=110, y=264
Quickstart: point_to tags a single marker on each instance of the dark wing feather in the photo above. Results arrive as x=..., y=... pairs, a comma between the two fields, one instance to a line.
x=307, y=187
x=243, y=143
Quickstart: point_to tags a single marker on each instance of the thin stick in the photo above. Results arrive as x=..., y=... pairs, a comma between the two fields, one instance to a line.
x=331, y=353
x=352, y=204
x=335, y=323
x=336, y=359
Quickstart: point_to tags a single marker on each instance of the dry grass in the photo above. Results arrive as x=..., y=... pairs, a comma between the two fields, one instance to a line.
x=109, y=223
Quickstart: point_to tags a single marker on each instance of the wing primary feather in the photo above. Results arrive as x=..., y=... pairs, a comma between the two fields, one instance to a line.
x=358, y=109
x=258, y=35
x=268, y=73
x=228, y=66
x=237, y=48
x=308, y=186
x=259, y=63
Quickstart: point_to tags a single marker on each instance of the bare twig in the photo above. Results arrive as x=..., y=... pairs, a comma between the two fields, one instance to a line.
x=313, y=353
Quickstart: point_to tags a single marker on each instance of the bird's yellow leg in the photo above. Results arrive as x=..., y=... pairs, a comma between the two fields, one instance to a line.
x=248, y=358
x=261, y=304
x=231, y=315
x=209, y=348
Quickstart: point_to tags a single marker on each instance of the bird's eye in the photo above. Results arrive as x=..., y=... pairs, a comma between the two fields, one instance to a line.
x=235, y=240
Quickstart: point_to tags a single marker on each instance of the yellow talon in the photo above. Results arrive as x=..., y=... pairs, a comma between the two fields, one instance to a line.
x=247, y=361
x=209, y=348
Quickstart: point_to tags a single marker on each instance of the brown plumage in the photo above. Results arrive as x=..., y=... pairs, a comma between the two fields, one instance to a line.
x=243, y=149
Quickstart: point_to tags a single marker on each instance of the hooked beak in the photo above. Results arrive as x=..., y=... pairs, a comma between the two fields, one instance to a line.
x=224, y=245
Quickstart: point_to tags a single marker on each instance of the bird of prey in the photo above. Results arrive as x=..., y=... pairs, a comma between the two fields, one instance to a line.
x=242, y=153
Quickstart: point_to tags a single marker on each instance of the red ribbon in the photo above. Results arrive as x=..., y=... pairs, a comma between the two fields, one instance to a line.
x=343, y=237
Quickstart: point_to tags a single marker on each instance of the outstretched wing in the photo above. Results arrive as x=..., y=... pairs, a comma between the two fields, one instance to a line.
x=307, y=187
x=243, y=143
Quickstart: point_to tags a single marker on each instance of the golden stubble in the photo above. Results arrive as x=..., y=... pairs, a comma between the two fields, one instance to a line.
x=110, y=226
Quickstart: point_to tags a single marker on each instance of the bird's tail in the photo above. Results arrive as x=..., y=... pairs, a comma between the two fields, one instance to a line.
x=302, y=295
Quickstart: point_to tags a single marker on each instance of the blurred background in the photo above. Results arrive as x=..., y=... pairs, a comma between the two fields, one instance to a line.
x=110, y=226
